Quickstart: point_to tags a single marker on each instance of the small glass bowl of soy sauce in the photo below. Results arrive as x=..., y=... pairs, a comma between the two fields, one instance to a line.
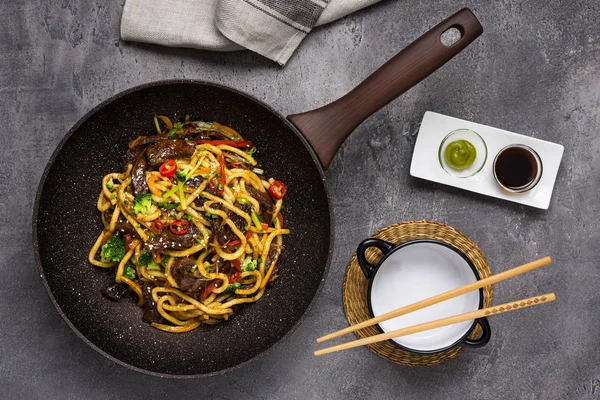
x=517, y=168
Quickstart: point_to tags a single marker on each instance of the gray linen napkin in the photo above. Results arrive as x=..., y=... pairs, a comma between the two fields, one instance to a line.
x=273, y=28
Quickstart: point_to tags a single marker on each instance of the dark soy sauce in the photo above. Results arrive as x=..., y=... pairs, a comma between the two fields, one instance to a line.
x=516, y=167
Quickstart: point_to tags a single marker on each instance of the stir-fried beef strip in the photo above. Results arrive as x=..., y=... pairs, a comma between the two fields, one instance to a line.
x=193, y=130
x=123, y=226
x=115, y=291
x=221, y=230
x=137, y=157
x=264, y=199
x=168, y=240
x=189, y=279
x=164, y=150
x=222, y=266
x=238, y=221
x=138, y=176
x=134, y=153
x=194, y=181
x=182, y=273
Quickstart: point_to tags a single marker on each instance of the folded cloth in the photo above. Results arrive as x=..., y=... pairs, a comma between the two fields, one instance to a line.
x=273, y=28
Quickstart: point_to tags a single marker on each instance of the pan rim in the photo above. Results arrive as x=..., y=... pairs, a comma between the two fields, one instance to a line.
x=59, y=148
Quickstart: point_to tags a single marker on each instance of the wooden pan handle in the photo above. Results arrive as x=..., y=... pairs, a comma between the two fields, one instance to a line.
x=327, y=127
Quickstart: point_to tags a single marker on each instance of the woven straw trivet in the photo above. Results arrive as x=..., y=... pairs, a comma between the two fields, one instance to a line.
x=354, y=289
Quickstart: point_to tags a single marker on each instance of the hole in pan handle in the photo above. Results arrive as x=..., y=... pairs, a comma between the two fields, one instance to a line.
x=485, y=335
x=366, y=267
x=327, y=127
x=451, y=36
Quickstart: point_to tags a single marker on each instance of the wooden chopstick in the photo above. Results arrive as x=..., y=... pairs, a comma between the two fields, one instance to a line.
x=485, y=312
x=442, y=297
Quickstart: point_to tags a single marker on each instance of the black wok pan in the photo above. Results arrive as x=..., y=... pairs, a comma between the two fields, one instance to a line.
x=66, y=221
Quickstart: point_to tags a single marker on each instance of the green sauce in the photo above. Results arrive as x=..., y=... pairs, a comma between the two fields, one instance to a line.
x=460, y=154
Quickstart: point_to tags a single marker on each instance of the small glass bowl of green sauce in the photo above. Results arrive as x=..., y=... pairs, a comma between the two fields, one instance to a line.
x=462, y=153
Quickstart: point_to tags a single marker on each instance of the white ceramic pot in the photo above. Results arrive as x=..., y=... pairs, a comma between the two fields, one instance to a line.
x=417, y=270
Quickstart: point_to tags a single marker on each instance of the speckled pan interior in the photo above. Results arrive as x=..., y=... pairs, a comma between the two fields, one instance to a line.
x=66, y=224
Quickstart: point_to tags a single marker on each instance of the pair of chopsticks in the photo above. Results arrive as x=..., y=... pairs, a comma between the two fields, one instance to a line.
x=485, y=312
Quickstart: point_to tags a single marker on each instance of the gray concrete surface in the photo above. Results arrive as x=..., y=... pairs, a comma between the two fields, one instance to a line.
x=535, y=71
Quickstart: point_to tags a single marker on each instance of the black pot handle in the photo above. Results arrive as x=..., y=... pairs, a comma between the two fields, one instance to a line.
x=485, y=336
x=367, y=267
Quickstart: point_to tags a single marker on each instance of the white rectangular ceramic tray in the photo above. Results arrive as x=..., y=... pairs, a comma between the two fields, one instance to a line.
x=426, y=164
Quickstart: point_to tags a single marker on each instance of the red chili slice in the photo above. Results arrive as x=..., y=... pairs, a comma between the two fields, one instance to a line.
x=209, y=289
x=213, y=185
x=232, y=143
x=179, y=227
x=234, y=243
x=234, y=277
x=158, y=225
x=127, y=242
x=168, y=168
x=264, y=226
x=248, y=234
x=277, y=190
x=236, y=264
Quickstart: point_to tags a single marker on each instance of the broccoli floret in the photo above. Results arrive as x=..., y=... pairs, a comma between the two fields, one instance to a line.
x=232, y=287
x=129, y=271
x=142, y=203
x=147, y=261
x=181, y=176
x=248, y=264
x=114, y=249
